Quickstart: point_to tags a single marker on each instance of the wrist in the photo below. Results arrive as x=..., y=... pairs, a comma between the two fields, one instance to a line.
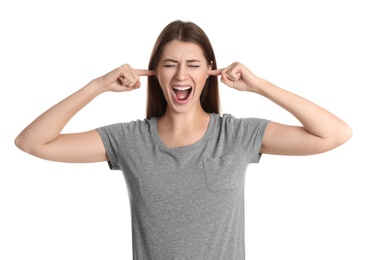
x=259, y=86
x=97, y=86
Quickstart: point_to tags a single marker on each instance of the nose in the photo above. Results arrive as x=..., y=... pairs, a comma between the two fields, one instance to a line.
x=181, y=73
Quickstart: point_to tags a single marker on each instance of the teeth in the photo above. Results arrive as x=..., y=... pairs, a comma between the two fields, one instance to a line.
x=181, y=88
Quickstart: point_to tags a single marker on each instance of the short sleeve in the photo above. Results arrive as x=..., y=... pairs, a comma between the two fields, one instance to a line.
x=109, y=135
x=248, y=133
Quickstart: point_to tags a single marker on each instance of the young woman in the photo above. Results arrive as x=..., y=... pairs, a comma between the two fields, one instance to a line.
x=185, y=163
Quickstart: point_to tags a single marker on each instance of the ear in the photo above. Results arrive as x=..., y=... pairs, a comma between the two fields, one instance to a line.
x=209, y=68
x=210, y=65
x=157, y=76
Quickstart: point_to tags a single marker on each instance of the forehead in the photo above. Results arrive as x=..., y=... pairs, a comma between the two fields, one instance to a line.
x=178, y=50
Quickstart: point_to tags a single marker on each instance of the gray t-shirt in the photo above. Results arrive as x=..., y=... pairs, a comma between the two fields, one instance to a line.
x=186, y=202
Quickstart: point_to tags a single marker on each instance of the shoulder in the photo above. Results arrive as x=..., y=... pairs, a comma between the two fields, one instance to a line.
x=131, y=125
x=230, y=121
x=131, y=130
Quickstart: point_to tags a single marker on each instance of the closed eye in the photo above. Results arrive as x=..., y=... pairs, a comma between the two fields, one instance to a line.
x=173, y=65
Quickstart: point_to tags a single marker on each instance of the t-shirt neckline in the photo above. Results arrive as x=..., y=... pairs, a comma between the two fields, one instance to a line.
x=185, y=147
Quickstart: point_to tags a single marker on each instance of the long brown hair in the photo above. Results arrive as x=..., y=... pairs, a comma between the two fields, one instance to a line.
x=186, y=32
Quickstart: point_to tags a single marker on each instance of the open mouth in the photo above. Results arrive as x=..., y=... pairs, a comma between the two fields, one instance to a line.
x=182, y=92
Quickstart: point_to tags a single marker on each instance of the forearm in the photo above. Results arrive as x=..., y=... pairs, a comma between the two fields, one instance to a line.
x=48, y=126
x=315, y=119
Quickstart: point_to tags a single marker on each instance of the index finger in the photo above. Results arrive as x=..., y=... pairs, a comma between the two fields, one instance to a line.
x=215, y=72
x=145, y=72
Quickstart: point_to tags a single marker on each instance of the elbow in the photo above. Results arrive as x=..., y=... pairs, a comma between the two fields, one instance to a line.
x=346, y=134
x=23, y=144
x=343, y=135
x=338, y=138
x=20, y=143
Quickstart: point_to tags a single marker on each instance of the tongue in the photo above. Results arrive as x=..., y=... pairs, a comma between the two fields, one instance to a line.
x=182, y=94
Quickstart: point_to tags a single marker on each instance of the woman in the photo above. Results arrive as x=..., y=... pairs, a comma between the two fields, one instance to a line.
x=185, y=163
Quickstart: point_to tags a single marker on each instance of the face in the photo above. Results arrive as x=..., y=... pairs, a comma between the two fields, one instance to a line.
x=182, y=74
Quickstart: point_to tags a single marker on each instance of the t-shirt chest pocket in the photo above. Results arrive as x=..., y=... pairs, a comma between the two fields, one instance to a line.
x=224, y=173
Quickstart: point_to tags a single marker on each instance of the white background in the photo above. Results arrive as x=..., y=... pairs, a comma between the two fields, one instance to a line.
x=296, y=207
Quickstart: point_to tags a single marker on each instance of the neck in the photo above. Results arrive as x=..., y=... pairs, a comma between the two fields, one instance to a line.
x=183, y=122
x=180, y=129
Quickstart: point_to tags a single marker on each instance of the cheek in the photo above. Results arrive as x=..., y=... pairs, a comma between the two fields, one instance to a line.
x=201, y=79
x=201, y=75
x=162, y=77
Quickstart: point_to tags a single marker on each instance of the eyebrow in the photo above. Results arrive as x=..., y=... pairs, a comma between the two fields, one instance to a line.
x=175, y=61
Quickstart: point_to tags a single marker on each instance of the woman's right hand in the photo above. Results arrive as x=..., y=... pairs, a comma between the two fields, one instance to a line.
x=123, y=78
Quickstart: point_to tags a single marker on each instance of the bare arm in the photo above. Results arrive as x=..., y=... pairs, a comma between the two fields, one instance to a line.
x=43, y=138
x=321, y=131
